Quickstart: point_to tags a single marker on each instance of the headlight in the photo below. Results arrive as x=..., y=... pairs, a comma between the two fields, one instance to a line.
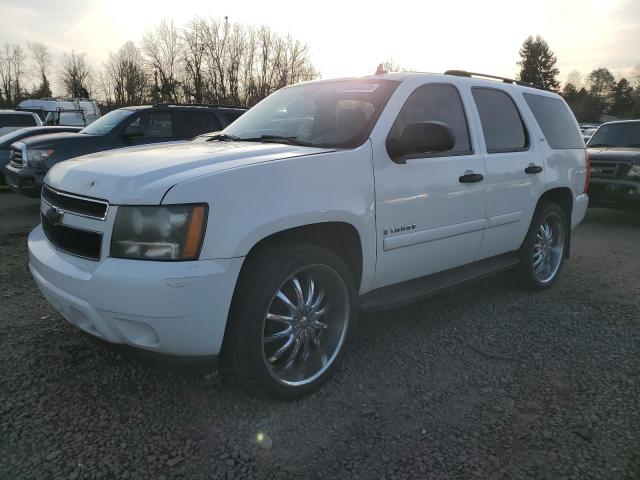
x=634, y=171
x=173, y=232
x=37, y=157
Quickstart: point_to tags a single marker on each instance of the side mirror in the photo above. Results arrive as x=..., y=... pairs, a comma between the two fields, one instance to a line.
x=133, y=131
x=422, y=137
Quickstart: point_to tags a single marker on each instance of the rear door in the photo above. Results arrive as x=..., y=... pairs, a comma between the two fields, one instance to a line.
x=428, y=219
x=514, y=170
x=189, y=124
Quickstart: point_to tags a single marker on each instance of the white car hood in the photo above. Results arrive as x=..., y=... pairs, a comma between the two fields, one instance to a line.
x=142, y=175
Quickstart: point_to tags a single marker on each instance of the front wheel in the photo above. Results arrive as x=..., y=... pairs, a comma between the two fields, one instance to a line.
x=291, y=316
x=543, y=251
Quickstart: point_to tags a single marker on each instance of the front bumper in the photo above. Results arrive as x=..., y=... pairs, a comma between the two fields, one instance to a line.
x=24, y=180
x=175, y=308
x=615, y=193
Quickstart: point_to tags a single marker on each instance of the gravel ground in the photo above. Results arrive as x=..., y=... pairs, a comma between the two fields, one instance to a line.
x=485, y=382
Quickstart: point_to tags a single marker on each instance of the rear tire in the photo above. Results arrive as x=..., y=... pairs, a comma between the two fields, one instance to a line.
x=543, y=251
x=292, y=313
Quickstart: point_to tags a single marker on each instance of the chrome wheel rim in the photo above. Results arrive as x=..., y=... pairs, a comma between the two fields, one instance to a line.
x=305, y=325
x=548, y=248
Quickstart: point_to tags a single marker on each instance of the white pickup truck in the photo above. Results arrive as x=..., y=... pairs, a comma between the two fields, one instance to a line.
x=260, y=244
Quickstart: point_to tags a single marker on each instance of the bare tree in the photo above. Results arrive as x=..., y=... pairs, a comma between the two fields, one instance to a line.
x=126, y=78
x=75, y=75
x=161, y=45
x=42, y=59
x=194, y=37
x=12, y=69
x=576, y=78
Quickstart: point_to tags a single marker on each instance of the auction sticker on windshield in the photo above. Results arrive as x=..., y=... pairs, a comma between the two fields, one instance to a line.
x=360, y=88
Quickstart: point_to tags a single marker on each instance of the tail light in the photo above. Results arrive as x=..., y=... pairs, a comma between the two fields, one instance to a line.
x=588, y=175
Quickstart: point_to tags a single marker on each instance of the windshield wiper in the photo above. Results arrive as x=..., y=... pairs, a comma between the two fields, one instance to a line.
x=223, y=137
x=278, y=139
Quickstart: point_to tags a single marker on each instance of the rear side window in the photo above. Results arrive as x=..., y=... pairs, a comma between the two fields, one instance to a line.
x=502, y=125
x=191, y=124
x=17, y=120
x=555, y=120
x=26, y=120
x=435, y=103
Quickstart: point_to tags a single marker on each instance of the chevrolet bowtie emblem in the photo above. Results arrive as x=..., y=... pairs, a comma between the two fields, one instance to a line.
x=54, y=216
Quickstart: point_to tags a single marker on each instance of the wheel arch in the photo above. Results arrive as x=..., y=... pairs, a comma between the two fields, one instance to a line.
x=342, y=238
x=563, y=197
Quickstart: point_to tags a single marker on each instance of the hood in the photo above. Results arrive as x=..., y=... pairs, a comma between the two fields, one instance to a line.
x=142, y=175
x=615, y=154
x=56, y=139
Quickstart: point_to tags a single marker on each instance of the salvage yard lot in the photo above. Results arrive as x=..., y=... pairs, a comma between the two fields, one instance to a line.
x=487, y=381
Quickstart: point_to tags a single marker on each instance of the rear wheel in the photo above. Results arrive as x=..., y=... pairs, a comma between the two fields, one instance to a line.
x=291, y=316
x=543, y=251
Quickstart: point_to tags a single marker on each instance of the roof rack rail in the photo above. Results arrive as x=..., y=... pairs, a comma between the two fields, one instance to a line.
x=463, y=73
x=208, y=105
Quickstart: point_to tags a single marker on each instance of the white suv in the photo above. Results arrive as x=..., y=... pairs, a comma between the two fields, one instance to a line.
x=260, y=244
x=11, y=120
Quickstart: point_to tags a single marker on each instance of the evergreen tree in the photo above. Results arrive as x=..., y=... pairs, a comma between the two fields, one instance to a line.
x=623, y=100
x=44, y=90
x=538, y=64
x=569, y=92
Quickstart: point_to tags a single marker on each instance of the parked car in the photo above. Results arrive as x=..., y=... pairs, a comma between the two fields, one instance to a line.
x=130, y=126
x=588, y=133
x=11, y=120
x=614, y=151
x=7, y=139
x=63, y=111
x=260, y=245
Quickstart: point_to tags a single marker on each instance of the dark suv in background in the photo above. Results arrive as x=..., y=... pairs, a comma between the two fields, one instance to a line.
x=30, y=159
x=614, y=151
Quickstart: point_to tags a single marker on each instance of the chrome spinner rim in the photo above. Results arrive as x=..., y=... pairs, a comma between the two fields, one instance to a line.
x=548, y=248
x=305, y=325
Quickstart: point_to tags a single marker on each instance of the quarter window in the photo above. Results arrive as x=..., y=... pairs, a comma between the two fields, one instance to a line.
x=435, y=103
x=555, y=120
x=502, y=125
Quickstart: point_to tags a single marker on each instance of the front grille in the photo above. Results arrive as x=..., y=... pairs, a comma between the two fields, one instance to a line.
x=15, y=157
x=81, y=243
x=11, y=178
x=609, y=169
x=86, y=207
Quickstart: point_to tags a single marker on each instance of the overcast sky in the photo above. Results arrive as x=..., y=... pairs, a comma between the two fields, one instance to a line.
x=351, y=38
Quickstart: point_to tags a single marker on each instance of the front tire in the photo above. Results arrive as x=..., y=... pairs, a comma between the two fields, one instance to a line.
x=543, y=251
x=291, y=316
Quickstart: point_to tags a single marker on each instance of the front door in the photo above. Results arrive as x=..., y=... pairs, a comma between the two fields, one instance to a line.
x=155, y=127
x=430, y=211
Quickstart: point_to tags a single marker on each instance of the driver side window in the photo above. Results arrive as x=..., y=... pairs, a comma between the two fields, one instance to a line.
x=435, y=103
x=154, y=125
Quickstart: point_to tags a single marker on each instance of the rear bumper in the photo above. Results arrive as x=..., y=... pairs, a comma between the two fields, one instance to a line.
x=23, y=180
x=615, y=193
x=174, y=308
x=580, y=203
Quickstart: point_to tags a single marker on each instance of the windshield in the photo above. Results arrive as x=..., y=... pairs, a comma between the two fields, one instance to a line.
x=106, y=123
x=338, y=114
x=617, y=135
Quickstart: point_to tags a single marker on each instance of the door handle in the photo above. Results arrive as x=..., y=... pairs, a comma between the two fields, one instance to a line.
x=533, y=169
x=470, y=177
